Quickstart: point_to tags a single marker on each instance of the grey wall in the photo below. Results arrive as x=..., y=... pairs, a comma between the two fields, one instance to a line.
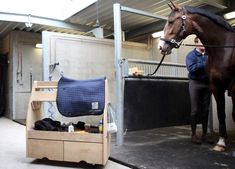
x=83, y=57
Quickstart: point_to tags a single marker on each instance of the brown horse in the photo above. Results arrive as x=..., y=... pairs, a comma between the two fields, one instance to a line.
x=219, y=39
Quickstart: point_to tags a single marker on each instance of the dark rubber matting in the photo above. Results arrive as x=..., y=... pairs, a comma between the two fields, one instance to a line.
x=170, y=148
x=20, y=121
x=154, y=103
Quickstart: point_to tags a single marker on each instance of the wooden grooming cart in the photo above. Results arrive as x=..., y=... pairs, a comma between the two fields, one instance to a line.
x=92, y=148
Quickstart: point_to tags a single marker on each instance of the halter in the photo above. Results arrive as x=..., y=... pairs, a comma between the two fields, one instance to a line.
x=182, y=29
x=173, y=42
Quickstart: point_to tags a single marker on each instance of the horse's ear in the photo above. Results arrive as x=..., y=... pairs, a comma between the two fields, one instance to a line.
x=175, y=6
x=170, y=6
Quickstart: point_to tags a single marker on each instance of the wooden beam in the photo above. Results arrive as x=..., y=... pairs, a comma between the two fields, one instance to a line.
x=221, y=4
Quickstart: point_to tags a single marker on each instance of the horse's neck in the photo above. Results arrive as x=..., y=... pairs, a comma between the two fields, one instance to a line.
x=209, y=32
x=213, y=34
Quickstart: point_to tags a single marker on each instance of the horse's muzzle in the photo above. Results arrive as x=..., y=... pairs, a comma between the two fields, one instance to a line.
x=166, y=52
x=165, y=49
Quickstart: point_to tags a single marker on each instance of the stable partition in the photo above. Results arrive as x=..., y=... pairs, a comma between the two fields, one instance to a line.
x=155, y=102
x=161, y=99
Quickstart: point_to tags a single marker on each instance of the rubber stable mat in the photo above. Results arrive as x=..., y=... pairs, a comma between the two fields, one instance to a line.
x=170, y=148
x=20, y=121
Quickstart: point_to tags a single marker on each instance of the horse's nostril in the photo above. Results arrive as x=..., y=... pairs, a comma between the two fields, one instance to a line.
x=163, y=52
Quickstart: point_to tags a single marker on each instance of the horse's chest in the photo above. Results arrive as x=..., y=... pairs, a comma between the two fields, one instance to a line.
x=220, y=67
x=220, y=75
x=215, y=74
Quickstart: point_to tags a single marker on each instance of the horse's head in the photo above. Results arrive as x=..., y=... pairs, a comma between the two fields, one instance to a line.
x=175, y=29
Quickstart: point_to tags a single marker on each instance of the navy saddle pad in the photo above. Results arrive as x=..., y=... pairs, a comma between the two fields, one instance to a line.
x=80, y=97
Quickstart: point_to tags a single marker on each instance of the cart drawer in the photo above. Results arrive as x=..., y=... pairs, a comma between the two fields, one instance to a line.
x=82, y=151
x=53, y=150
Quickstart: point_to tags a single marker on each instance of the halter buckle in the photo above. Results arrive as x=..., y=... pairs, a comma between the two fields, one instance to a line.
x=173, y=41
x=183, y=17
x=176, y=44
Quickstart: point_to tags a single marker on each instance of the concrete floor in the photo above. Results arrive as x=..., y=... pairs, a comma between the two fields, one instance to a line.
x=13, y=151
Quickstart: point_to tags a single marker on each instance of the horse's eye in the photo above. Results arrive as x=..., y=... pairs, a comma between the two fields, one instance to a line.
x=170, y=22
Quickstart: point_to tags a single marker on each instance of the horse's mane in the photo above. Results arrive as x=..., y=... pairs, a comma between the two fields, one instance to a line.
x=215, y=18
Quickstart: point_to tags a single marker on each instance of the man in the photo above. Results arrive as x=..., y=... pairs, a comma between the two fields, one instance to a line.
x=199, y=91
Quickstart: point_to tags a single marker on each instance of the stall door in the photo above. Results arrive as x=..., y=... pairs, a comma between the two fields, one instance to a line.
x=28, y=69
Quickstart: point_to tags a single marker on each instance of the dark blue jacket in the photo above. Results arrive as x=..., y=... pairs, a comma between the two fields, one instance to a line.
x=195, y=62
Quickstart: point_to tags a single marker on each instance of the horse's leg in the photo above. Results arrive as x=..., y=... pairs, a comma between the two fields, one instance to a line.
x=220, y=102
x=233, y=99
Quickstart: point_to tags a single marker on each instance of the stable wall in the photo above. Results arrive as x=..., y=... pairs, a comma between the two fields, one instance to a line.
x=82, y=57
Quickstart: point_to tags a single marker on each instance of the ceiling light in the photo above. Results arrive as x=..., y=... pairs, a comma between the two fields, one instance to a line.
x=229, y=15
x=158, y=34
x=29, y=24
x=38, y=45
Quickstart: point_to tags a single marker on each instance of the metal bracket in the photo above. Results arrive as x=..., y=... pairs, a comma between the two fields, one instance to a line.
x=183, y=17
